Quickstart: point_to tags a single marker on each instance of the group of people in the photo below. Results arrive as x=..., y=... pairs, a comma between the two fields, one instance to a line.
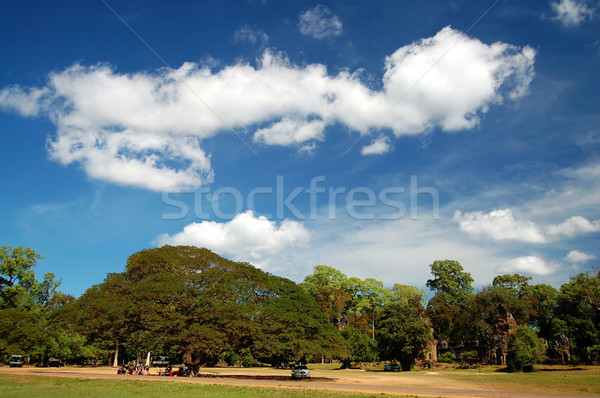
x=145, y=370
x=134, y=370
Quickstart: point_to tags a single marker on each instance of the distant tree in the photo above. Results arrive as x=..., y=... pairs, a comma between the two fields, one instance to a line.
x=543, y=301
x=517, y=283
x=403, y=333
x=18, y=285
x=442, y=317
x=477, y=320
x=525, y=350
x=104, y=315
x=368, y=296
x=450, y=282
x=361, y=347
x=21, y=332
x=324, y=275
x=403, y=294
x=578, y=305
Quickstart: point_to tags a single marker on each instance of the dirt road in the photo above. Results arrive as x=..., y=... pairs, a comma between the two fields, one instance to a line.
x=429, y=384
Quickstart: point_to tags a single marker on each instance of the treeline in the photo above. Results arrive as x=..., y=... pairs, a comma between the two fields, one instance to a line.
x=201, y=309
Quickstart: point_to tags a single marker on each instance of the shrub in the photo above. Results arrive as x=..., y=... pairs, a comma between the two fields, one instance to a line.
x=524, y=350
x=446, y=357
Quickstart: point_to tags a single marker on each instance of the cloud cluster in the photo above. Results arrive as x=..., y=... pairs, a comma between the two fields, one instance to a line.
x=320, y=23
x=145, y=129
x=501, y=225
x=378, y=146
x=577, y=256
x=255, y=37
x=244, y=238
x=571, y=12
x=528, y=265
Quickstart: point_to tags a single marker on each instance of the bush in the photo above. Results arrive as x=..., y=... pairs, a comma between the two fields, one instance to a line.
x=446, y=357
x=524, y=350
x=470, y=354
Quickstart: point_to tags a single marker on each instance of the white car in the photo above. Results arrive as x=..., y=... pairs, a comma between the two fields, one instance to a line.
x=300, y=372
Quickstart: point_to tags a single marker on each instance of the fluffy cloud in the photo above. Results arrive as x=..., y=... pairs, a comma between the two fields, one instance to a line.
x=246, y=238
x=573, y=227
x=291, y=131
x=501, y=225
x=378, y=146
x=498, y=225
x=145, y=129
x=319, y=23
x=571, y=12
x=528, y=265
x=576, y=256
x=255, y=37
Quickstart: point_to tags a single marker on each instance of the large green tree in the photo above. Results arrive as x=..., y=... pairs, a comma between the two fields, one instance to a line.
x=19, y=287
x=450, y=282
x=403, y=333
x=578, y=305
x=201, y=308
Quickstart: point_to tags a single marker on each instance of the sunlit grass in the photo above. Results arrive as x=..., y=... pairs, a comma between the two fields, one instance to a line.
x=17, y=386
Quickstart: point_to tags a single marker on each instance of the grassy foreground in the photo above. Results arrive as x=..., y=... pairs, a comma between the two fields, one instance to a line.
x=13, y=386
x=583, y=380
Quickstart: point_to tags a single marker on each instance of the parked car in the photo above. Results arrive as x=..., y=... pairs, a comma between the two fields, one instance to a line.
x=55, y=363
x=161, y=361
x=16, y=361
x=392, y=367
x=300, y=372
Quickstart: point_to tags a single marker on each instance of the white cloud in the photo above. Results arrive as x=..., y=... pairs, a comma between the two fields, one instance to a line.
x=571, y=12
x=576, y=256
x=319, y=23
x=378, y=146
x=291, y=131
x=255, y=37
x=27, y=103
x=501, y=225
x=246, y=238
x=573, y=227
x=145, y=129
x=498, y=225
x=528, y=265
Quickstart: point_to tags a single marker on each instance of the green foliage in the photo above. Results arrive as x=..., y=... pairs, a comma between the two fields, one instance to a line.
x=477, y=320
x=403, y=334
x=578, y=306
x=361, y=348
x=353, y=298
x=442, y=317
x=403, y=294
x=446, y=357
x=21, y=332
x=516, y=282
x=524, y=350
x=18, y=285
x=205, y=308
x=543, y=301
x=594, y=352
x=200, y=307
x=449, y=282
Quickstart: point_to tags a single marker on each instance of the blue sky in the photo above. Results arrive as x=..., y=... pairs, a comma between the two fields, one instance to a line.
x=374, y=137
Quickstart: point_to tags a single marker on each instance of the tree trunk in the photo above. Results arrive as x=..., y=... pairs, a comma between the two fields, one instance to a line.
x=373, y=326
x=116, y=361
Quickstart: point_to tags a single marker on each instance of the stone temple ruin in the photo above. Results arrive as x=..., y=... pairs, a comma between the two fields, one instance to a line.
x=498, y=342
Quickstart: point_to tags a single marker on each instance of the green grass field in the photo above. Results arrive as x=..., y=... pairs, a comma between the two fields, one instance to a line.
x=14, y=386
x=583, y=380
x=547, y=380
